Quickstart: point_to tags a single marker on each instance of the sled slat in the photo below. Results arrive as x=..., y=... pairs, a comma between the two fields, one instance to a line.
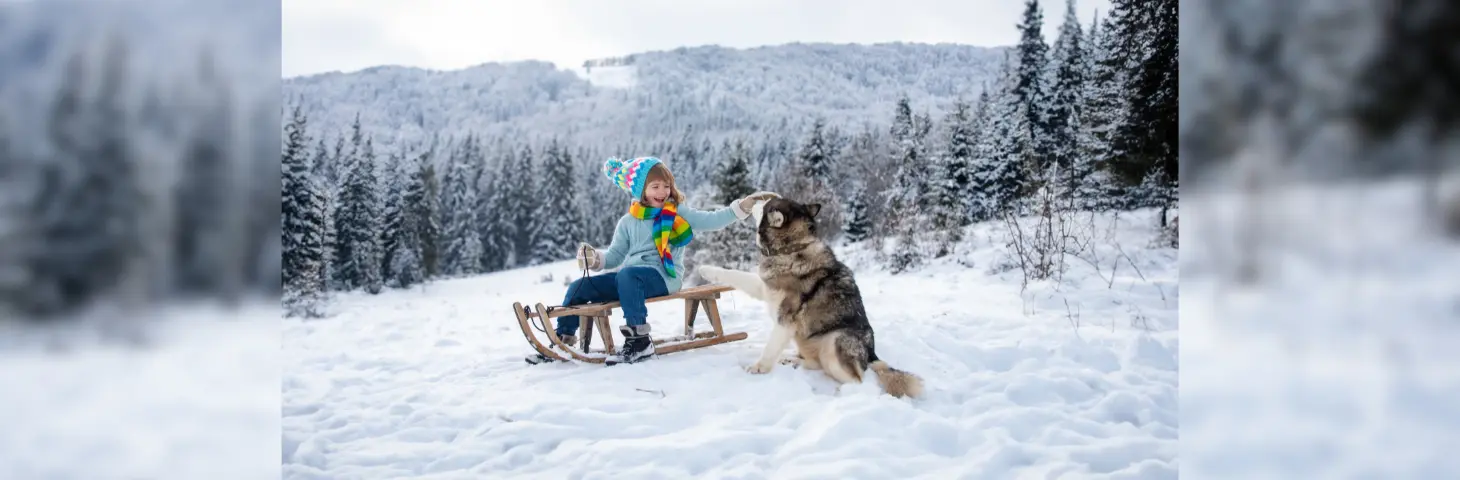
x=700, y=292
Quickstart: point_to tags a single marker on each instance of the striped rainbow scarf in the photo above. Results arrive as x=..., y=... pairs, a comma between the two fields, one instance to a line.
x=670, y=229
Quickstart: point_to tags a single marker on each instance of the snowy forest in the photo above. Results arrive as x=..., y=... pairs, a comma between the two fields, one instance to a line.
x=136, y=163
x=1086, y=122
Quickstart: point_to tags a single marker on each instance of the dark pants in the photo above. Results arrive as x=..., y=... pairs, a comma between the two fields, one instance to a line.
x=630, y=286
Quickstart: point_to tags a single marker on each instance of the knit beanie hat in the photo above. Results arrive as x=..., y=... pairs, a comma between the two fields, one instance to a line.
x=631, y=175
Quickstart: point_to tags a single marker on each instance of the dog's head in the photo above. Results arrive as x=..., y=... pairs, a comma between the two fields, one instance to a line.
x=781, y=223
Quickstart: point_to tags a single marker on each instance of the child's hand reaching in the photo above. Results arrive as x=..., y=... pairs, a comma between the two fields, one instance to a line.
x=749, y=200
x=589, y=257
x=743, y=206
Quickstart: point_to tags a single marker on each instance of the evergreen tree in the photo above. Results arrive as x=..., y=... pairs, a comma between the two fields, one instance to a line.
x=1146, y=46
x=732, y=182
x=904, y=203
x=407, y=267
x=999, y=170
x=208, y=247
x=561, y=225
x=85, y=214
x=357, y=221
x=430, y=215
x=302, y=214
x=816, y=154
x=1067, y=88
x=521, y=202
x=944, y=207
x=1100, y=112
x=960, y=154
x=859, y=224
x=1030, y=92
x=497, y=229
x=734, y=246
x=323, y=165
x=462, y=247
x=908, y=155
x=394, y=184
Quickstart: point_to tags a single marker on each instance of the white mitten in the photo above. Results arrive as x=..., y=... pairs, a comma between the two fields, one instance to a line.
x=743, y=206
x=589, y=257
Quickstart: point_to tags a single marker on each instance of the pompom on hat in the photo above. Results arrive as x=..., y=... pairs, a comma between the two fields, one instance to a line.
x=632, y=175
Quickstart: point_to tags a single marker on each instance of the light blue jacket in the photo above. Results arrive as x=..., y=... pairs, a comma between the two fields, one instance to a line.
x=633, y=244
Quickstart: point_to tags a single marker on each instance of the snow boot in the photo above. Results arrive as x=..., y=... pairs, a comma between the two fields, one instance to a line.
x=637, y=345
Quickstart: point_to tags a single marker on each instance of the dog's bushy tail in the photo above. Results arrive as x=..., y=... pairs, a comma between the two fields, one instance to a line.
x=896, y=382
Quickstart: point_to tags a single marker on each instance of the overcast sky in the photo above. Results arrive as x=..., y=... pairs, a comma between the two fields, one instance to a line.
x=347, y=35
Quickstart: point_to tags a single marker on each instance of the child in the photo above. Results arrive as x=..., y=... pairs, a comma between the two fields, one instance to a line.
x=646, y=243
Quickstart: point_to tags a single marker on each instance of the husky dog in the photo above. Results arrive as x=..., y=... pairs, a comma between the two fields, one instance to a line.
x=815, y=298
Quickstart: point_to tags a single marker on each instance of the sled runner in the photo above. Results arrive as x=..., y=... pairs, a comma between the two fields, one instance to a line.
x=597, y=315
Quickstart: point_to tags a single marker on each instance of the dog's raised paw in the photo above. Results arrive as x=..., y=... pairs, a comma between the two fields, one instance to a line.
x=759, y=368
x=711, y=273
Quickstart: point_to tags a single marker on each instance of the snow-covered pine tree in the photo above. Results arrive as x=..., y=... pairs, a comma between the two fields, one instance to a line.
x=907, y=159
x=430, y=215
x=393, y=183
x=558, y=212
x=86, y=222
x=1031, y=92
x=944, y=207
x=336, y=168
x=463, y=247
x=859, y=224
x=959, y=155
x=732, y=247
x=999, y=170
x=208, y=248
x=406, y=265
x=322, y=165
x=495, y=222
x=812, y=181
x=357, y=221
x=732, y=180
x=1101, y=108
x=687, y=154
x=1147, y=135
x=905, y=200
x=816, y=156
x=303, y=218
x=522, y=203
x=1067, y=86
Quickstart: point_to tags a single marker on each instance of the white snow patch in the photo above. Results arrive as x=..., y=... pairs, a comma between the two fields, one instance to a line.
x=198, y=397
x=430, y=382
x=1339, y=361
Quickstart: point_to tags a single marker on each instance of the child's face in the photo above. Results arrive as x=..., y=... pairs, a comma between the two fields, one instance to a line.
x=656, y=192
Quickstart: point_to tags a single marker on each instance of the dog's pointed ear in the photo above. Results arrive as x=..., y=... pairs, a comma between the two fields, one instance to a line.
x=814, y=209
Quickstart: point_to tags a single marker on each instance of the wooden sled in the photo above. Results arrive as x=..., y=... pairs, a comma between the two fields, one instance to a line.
x=597, y=315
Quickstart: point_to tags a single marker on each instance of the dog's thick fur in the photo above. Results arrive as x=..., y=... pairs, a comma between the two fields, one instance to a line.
x=815, y=298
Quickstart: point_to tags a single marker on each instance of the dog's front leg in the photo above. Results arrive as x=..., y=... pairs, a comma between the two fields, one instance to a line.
x=780, y=336
x=747, y=282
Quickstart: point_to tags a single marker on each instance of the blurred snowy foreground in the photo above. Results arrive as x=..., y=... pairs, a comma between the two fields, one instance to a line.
x=179, y=393
x=431, y=383
x=1338, y=360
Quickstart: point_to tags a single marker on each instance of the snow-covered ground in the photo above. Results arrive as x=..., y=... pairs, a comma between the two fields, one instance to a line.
x=430, y=383
x=1340, y=361
x=193, y=395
